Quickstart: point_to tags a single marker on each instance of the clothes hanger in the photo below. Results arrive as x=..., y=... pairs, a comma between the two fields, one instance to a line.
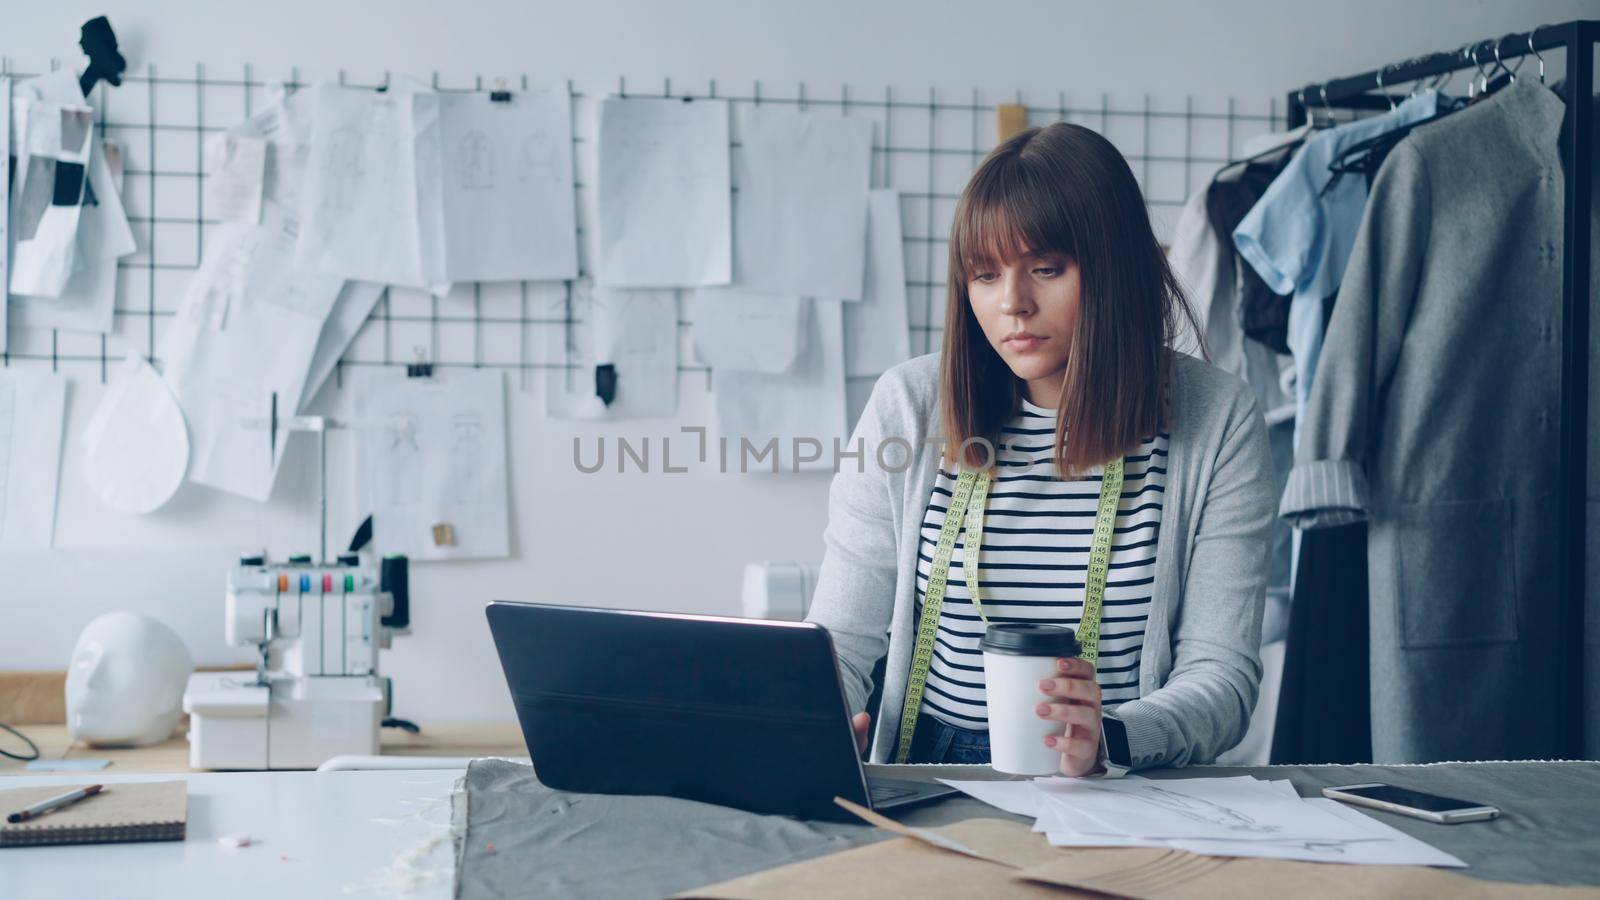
x=1487, y=87
x=1509, y=74
x=1470, y=54
x=1439, y=81
x=1535, y=52
x=1273, y=152
x=1263, y=156
x=1332, y=120
x=1521, y=60
x=1311, y=114
x=1311, y=124
x=1381, y=91
x=1364, y=157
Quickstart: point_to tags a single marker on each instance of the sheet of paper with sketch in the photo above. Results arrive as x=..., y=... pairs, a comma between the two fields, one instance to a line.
x=665, y=216
x=622, y=347
x=877, y=331
x=236, y=169
x=803, y=179
x=32, y=413
x=47, y=199
x=432, y=455
x=87, y=301
x=371, y=198
x=284, y=124
x=747, y=331
x=509, y=206
x=247, y=329
x=350, y=311
x=799, y=412
x=284, y=127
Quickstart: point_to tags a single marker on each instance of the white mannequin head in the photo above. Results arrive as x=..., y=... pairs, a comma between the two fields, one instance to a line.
x=125, y=682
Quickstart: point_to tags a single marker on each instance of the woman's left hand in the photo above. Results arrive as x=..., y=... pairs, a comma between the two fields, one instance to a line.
x=1074, y=700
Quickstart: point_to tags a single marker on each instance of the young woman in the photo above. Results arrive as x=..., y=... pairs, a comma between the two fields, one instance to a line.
x=1056, y=369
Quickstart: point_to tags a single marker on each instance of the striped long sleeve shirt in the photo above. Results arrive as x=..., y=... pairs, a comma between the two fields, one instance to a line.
x=1034, y=563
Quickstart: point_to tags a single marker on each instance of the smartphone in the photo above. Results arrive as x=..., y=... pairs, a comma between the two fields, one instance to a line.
x=1417, y=805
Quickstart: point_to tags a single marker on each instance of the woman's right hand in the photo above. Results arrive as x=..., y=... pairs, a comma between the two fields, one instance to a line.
x=862, y=723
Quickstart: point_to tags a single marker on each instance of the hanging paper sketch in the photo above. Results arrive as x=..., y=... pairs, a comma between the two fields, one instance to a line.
x=623, y=346
x=285, y=125
x=235, y=173
x=802, y=409
x=32, y=414
x=54, y=142
x=350, y=312
x=431, y=453
x=86, y=299
x=89, y=300
x=877, y=332
x=746, y=331
x=247, y=329
x=665, y=214
x=800, y=212
x=509, y=207
x=372, y=191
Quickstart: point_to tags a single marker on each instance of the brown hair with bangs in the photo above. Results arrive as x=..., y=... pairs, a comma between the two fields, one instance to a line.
x=1064, y=189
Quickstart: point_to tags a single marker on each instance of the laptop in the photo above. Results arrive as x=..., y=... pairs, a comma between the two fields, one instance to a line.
x=747, y=713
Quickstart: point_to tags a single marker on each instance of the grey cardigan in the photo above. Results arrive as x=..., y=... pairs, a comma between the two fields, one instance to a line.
x=1199, y=664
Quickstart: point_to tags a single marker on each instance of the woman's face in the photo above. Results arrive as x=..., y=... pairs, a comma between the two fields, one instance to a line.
x=1028, y=308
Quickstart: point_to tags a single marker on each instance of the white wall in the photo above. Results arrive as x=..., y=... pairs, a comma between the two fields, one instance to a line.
x=1242, y=47
x=651, y=541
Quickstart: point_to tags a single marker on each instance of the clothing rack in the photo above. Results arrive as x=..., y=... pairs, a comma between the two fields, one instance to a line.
x=1368, y=90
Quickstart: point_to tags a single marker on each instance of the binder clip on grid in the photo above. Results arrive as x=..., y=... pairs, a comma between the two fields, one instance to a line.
x=419, y=367
x=106, y=64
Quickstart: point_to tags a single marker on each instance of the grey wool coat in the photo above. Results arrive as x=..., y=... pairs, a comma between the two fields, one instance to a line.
x=1199, y=664
x=1434, y=417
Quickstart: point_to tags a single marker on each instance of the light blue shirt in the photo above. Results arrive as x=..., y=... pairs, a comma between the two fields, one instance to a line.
x=1299, y=239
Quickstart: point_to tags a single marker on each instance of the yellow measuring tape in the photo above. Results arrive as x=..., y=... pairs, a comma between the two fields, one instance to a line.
x=967, y=509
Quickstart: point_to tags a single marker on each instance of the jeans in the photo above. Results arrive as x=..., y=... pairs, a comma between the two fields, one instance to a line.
x=936, y=742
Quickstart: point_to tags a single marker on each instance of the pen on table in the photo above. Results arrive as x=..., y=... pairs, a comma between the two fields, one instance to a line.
x=56, y=802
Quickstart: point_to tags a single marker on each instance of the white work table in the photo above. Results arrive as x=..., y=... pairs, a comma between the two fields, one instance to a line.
x=327, y=834
x=386, y=833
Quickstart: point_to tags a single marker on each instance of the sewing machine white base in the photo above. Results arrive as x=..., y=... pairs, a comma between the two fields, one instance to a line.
x=296, y=723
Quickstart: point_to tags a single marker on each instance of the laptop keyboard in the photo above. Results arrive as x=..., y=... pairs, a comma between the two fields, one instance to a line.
x=885, y=794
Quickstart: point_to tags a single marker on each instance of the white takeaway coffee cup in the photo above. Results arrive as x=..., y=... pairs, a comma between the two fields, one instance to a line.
x=1016, y=657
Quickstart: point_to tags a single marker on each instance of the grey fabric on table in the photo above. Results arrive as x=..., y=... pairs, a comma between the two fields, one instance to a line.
x=554, y=844
x=1548, y=831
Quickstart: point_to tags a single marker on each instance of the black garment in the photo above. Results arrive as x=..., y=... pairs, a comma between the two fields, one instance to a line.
x=1263, y=315
x=1324, y=705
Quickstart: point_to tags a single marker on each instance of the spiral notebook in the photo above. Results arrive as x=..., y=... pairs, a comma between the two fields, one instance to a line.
x=133, y=811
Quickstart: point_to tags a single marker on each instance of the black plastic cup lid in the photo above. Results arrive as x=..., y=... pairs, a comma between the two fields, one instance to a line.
x=1022, y=639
